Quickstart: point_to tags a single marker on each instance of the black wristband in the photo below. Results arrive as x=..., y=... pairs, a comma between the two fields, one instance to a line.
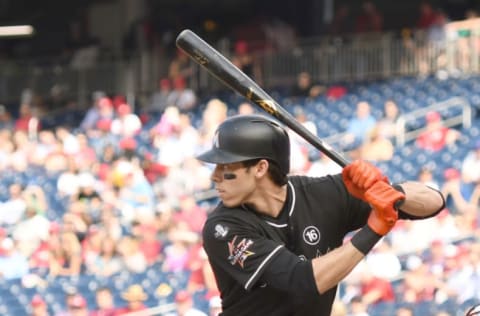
x=365, y=239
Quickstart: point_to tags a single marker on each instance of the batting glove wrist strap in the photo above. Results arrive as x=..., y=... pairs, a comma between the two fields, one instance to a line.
x=365, y=239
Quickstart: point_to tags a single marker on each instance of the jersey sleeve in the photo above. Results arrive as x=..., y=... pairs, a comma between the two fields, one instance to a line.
x=239, y=249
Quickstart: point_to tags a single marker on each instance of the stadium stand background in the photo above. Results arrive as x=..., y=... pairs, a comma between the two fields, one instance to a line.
x=125, y=48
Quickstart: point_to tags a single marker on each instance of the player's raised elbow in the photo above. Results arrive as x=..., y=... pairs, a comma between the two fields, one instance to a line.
x=421, y=201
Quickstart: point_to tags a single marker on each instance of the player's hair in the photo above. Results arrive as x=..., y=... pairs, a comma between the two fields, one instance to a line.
x=274, y=171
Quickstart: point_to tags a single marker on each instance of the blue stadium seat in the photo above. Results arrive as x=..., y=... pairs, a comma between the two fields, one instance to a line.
x=382, y=309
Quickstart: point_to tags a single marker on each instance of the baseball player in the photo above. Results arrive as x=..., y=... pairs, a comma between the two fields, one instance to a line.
x=275, y=242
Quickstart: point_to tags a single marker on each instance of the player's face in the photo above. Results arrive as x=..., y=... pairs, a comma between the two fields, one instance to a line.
x=234, y=183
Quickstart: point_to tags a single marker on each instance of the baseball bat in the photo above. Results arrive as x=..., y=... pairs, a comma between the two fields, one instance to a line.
x=225, y=71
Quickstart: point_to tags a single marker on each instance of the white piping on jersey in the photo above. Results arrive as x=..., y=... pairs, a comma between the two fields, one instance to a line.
x=292, y=207
x=261, y=266
x=293, y=199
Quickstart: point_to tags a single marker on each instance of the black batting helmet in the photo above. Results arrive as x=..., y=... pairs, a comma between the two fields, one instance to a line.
x=246, y=137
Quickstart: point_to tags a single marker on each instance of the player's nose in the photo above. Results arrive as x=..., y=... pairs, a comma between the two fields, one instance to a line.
x=217, y=174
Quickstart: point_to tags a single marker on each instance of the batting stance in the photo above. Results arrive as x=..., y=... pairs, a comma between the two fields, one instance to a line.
x=275, y=242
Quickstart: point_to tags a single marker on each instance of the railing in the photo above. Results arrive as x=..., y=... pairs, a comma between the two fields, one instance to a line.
x=404, y=134
x=464, y=118
x=329, y=60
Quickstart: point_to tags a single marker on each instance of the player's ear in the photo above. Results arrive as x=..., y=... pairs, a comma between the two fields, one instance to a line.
x=261, y=168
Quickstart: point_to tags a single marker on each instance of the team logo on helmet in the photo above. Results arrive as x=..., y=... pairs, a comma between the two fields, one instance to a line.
x=311, y=235
x=216, y=142
x=238, y=252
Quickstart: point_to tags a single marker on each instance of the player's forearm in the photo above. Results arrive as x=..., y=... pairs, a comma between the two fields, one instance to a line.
x=421, y=200
x=333, y=267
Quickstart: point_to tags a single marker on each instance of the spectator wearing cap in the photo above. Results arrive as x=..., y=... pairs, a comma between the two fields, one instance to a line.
x=185, y=305
x=38, y=306
x=436, y=136
x=77, y=306
x=102, y=108
x=135, y=297
x=126, y=123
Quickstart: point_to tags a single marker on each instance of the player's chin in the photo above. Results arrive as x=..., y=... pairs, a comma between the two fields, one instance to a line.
x=230, y=202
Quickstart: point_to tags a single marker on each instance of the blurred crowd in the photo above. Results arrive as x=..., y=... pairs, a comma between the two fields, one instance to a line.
x=122, y=190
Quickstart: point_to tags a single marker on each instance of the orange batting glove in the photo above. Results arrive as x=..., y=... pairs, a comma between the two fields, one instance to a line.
x=383, y=198
x=359, y=176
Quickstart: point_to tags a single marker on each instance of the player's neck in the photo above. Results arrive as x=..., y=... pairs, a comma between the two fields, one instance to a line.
x=268, y=199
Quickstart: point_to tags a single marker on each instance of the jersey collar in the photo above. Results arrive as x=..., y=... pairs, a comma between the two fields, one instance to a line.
x=287, y=210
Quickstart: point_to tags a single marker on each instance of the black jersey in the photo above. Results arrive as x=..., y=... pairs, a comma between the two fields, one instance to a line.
x=242, y=245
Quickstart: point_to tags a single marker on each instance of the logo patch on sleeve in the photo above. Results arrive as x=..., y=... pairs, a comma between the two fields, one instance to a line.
x=239, y=251
x=221, y=231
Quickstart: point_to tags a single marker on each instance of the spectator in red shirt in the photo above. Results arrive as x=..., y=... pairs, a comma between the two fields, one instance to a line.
x=375, y=290
x=427, y=15
x=149, y=244
x=3, y=235
x=201, y=273
x=436, y=136
x=27, y=120
x=419, y=284
x=40, y=258
x=191, y=213
x=370, y=19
